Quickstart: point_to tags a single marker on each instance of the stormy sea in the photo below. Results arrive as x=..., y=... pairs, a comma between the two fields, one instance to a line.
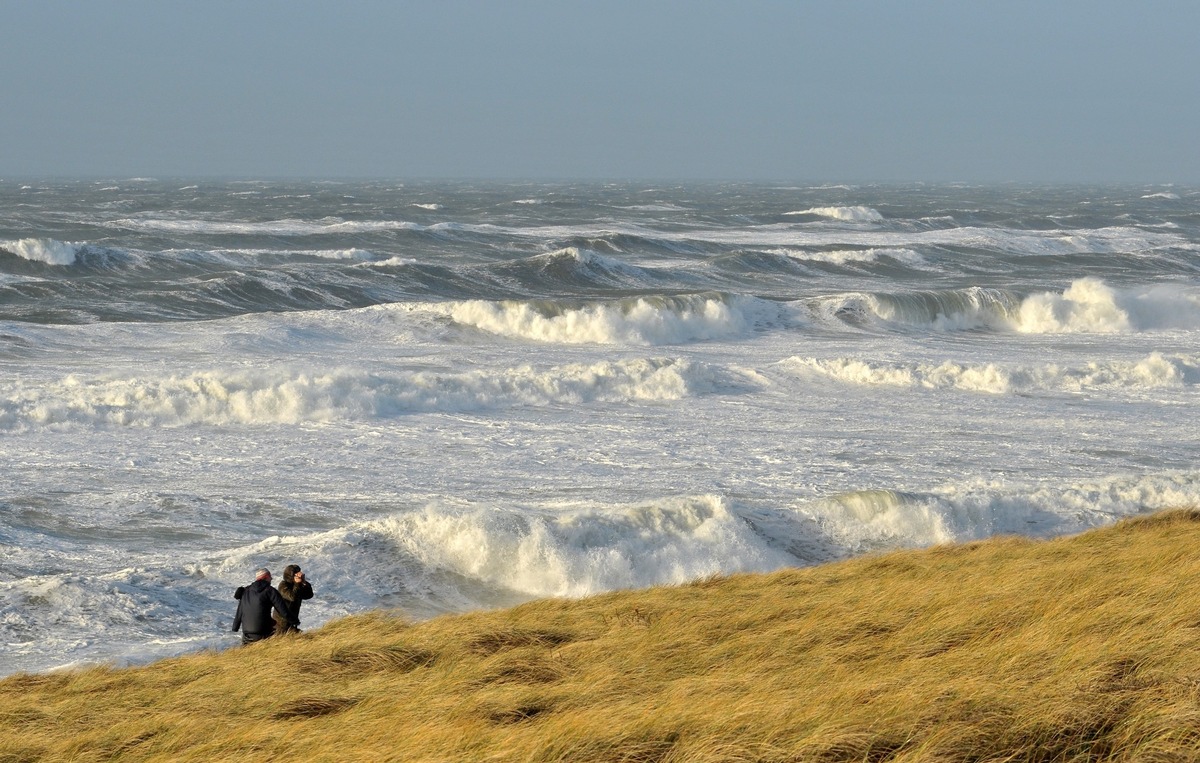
x=437, y=397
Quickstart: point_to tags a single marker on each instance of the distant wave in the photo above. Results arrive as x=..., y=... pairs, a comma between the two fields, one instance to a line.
x=45, y=250
x=846, y=214
x=902, y=255
x=289, y=397
x=1088, y=305
x=576, y=266
x=660, y=207
x=1123, y=240
x=1155, y=371
x=35, y=255
x=655, y=320
x=270, y=228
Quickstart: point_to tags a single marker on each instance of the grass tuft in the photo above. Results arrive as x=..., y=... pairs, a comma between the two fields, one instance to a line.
x=311, y=707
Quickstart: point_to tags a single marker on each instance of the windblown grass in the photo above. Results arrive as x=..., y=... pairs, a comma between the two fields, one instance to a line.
x=1076, y=649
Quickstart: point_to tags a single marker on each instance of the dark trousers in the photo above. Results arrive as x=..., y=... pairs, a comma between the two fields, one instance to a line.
x=250, y=638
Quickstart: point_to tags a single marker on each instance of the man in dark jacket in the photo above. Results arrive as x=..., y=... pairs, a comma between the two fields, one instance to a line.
x=255, y=603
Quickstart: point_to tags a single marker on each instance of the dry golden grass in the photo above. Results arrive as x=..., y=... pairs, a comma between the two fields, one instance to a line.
x=1077, y=649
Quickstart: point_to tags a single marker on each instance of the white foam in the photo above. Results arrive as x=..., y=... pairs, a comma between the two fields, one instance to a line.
x=430, y=206
x=390, y=262
x=847, y=256
x=1155, y=371
x=279, y=396
x=288, y=227
x=857, y=214
x=641, y=321
x=871, y=519
x=655, y=208
x=1088, y=305
x=1091, y=306
x=588, y=259
x=120, y=617
x=341, y=254
x=45, y=250
x=577, y=551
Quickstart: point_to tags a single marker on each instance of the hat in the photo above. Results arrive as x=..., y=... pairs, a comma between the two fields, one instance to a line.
x=261, y=573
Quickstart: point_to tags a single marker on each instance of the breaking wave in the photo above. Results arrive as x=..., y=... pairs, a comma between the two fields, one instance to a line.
x=654, y=320
x=447, y=552
x=872, y=519
x=281, y=397
x=846, y=214
x=285, y=227
x=44, y=250
x=1088, y=305
x=575, y=266
x=1155, y=371
x=902, y=255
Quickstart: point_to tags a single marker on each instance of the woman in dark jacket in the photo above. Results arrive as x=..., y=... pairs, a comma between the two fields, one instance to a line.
x=294, y=589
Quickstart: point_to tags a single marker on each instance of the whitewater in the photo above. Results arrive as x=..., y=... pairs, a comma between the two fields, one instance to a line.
x=439, y=397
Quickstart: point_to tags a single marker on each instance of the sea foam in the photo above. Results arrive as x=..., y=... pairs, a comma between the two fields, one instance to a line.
x=576, y=552
x=853, y=256
x=45, y=250
x=1155, y=371
x=639, y=321
x=856, y=214
x=1091, y=306
x=871, y=519
x=568, y=550
x=285, y=227
x=1088, y=305
x=279, y=396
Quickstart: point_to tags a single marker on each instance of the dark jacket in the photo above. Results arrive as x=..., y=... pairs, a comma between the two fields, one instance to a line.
x=294, y=595
x=254, y=610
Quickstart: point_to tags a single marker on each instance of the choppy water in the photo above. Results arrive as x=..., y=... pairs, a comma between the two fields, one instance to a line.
x=440, y=397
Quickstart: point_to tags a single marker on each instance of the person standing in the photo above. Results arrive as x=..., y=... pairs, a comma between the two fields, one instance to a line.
x=294, y=589
x=255, y=603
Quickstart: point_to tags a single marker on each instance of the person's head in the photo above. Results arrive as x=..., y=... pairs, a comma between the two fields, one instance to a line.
x=262, y=573
x=291, y=572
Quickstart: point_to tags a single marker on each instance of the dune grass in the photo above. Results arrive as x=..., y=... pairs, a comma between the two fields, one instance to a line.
x=1075, y=649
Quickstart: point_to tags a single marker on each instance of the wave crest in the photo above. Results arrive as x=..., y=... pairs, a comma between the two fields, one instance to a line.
x=1091, y=306
x=582, y=551
x=280, y=397
x=638, y=321
x=874, y=519
x=45, y=250
x=1088, y=305
x=1155, y=371
x=856, y=214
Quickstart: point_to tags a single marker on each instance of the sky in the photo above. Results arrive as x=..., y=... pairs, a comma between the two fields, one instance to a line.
x=821, y=90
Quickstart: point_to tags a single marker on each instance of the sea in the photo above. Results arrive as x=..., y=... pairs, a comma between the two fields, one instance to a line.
x=438, y=397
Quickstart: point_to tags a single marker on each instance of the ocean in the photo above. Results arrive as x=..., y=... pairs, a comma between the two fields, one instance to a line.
x=437, y=397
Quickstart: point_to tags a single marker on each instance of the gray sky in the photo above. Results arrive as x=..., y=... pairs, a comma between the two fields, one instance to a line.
x=834, y=90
